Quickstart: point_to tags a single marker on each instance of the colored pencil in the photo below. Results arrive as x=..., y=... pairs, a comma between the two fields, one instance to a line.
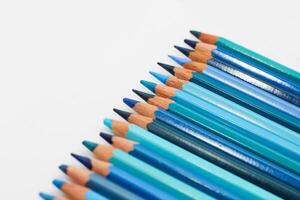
x=246, y=55
x=122, y=178
x=254, y=99
x=233, y=184
x=166, y=165
x=197, y=66
x=77, y=192
x=270, y=184
x=49, y=197
x=97, y=183
x=213, y=56
x=229, y=106
x=250, y=130
x=150, y=174
x=251, y=160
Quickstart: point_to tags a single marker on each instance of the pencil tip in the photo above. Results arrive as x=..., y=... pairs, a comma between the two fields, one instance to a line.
x=149, y=85
x=162, y=78
x=46, y=196
x=107, y=137
x=125, y=115
x=63, y=168
x=83, y=160
x=107, y=122
x=130, y=102
x=180, y=61
x=183, y=50
x=195, y=33
x=191, y=43
x=58, y=183
x=143, y=95
x=90, y=145
x=168, y=68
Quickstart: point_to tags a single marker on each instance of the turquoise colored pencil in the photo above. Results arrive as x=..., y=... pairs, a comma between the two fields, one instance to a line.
x=148, y=173
x=229, y=106
x=250, y=130
x=77, y=192
x=240, y=188
x=122, y=178
x=246, y=54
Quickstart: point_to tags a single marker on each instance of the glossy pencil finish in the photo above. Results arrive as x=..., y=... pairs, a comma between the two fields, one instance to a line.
x=230, y=107
x=238, y=187
x=247, y=55
x=49, y=197
x=215, y=56
x=164, y=164
x=189, y=64
x=248, y=158
x=77, y=192
x=121, y=177
x=148, y=173
x=257, y=100
x=97, y=183
x=250, y=130
x=240, y=169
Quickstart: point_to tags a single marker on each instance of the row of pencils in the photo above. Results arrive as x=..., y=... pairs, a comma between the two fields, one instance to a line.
x=224, y=124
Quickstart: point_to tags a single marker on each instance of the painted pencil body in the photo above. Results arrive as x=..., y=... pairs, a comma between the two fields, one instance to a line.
x=247, y=55
x=231, y=183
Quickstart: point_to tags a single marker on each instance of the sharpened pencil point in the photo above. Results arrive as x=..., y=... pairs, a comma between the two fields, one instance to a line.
x=191, y=43
x=107, y=137
x=107, y=122
x=83, y=160
x=130, y=102
x=162, y=78
x=149, y=85
x=195, y=33
x=58, y=183
x=46, y=196
x=168, y=68
x=63, y=168
x=90, y=145
x=125, y=115
x=183, y=50
x=180, y=61
x=143, y=95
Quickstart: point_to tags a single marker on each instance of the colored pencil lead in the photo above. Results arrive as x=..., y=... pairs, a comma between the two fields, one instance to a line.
x=58, y=183
x=160, y=77
x=90, y=145
x=179, y=60
x=107, y=137
x=129, y=102
x=148, y=84
x=183, y=50
x=168, y=68
x=125, y=115
x=49, y=197
x=63, y=168
x=195, y=33
x=83, y=159
x=145, y=96
x=191, y=43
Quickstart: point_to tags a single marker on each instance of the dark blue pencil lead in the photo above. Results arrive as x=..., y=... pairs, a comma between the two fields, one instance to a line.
x=63, y=168
x=191, y=43
x=83, y=160
x=183, y=50
x=168, y=68
x=125, y=115
x=107, y=137
x=130, y=102
x=145, y=96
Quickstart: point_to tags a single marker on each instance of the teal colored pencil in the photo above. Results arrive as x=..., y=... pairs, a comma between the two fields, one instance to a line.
x=237, y=186
x=229, y=106
x=148, y=173
x=250, y=130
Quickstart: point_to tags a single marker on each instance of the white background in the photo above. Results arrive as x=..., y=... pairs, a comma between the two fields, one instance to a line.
x=66, y=64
